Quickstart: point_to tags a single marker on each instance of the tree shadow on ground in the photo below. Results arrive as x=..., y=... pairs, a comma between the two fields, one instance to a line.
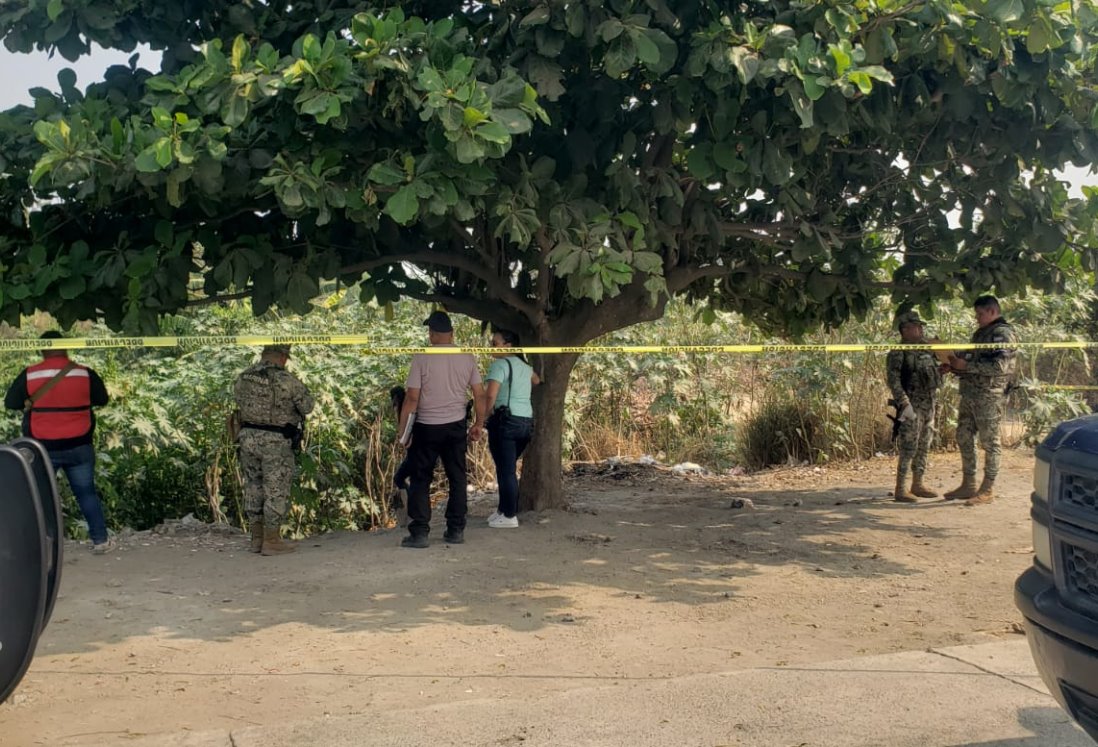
x=669, y=542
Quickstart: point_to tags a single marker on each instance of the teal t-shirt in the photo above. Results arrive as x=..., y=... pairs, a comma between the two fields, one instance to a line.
x=518, y=389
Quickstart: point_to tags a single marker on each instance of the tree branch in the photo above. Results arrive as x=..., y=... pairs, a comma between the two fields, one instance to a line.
x=210, y=300
x=683, y=277
x=497, y=286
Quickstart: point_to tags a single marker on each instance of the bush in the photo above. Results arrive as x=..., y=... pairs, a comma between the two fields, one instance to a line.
x=779, y=432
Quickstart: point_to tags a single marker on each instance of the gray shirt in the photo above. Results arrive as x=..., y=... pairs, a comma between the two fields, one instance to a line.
x=443, y=382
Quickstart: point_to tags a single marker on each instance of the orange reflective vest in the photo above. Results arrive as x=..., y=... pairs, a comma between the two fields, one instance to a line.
x=64, y=411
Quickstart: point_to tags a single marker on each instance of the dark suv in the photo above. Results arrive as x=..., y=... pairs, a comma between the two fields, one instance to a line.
x=1058, y=596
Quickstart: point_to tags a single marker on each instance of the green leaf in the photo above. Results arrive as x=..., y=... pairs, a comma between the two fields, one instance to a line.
x=300, y=291
x=493, y=132
x=821, y=286
x=669, y=51
x=776, y=166
x=383, y=173
x=311, y=49
x=538, y=16
x=163, y=150
x=1039, y=37
x=473, y=116
x=699, y=162
x=147, y=161
x=802, y=105
x=217, y=149
x=403, y=206
x=236, y=111
x=44, y=166
x=162, y=118
x=725, y=155
x=468, y=150
x=840, y=57
x=37, y=256
x=54, y=9
x=1006, y=11
x=746, y=63
x=241, y=49
x=72, y=287
x=514, y=121
x=862, y=81
x=164, y=233
x=647, y=51
x=620, y=56
x=812, y=88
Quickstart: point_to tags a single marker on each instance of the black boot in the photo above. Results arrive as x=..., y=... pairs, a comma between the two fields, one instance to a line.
x=418, y=541
x=454, y=536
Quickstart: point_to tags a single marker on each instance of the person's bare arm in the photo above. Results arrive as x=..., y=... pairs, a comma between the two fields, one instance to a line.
x=411, y=404
x=480, y=400
x=490, y=394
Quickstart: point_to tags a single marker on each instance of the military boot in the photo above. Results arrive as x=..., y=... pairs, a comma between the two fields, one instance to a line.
x=967, y=490
x=985, y=494
x=920, y=490
x=901, y=494
x=257, y=536
x=273, y=544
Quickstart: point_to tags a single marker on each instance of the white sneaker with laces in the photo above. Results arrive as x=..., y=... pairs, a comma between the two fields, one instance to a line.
x=503, y=522
x=496, y=515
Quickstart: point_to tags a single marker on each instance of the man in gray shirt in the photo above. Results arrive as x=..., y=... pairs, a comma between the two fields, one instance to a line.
x=436, y=392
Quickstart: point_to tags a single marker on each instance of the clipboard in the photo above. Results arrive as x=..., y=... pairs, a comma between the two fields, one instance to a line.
x=406, y=436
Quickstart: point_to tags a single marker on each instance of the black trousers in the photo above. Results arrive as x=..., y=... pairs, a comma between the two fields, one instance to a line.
x=429, y=444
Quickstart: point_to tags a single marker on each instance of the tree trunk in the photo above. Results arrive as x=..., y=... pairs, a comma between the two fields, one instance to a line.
x=542, y=486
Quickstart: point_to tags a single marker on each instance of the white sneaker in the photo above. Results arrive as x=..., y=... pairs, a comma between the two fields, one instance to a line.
x=502, y=522
x=496, y=516
x=103, y=548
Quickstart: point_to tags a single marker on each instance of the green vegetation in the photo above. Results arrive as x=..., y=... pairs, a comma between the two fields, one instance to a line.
x=163, y=450
x=562, y=169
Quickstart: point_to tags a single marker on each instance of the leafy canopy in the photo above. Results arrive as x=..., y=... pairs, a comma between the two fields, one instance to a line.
x=559, y=167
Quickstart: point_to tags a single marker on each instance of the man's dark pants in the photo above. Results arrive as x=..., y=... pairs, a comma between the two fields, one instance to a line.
x=429, y=444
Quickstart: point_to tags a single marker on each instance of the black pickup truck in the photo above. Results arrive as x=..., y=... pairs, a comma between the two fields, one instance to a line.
x=1058, y=595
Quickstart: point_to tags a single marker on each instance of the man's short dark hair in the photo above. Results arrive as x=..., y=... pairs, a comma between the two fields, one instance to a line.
x=986, y=302
x=51, y=334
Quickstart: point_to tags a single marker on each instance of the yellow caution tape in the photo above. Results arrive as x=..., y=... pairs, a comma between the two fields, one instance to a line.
x=195, y=342
x=1066, y=387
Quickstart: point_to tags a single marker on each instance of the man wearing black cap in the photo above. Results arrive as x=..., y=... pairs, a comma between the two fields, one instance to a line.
x=914, y=380
x=57, y=396
x=436, y=392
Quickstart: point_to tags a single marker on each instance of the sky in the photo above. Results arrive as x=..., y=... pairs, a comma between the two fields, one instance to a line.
x=39, y=70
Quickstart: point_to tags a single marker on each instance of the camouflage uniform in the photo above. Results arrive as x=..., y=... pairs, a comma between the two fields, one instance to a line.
x=268, y=395
x=914, y=379
x=983, y=387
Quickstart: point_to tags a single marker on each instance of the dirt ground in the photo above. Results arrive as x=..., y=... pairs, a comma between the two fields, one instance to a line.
x=649, y=575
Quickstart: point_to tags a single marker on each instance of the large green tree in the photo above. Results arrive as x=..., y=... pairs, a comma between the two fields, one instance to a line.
x=556, y=167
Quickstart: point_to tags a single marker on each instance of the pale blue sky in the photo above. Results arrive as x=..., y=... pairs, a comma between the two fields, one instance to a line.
x=29, y=71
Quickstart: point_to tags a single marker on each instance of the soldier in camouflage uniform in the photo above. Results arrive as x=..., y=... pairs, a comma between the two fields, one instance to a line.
x=273, y=404
x=914, y=379
x=985, y=375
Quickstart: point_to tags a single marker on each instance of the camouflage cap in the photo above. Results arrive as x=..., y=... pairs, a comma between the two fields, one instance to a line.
x=280, y=349
x=908, y=317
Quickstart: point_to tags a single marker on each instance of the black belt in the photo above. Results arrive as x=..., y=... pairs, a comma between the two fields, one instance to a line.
x=286, y=430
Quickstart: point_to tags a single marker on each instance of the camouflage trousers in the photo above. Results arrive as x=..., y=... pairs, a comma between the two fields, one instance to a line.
x=915, y=438
x=980, y=414
x=268, y=466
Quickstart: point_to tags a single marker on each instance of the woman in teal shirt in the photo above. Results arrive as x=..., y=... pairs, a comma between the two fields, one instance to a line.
x=510, y=422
